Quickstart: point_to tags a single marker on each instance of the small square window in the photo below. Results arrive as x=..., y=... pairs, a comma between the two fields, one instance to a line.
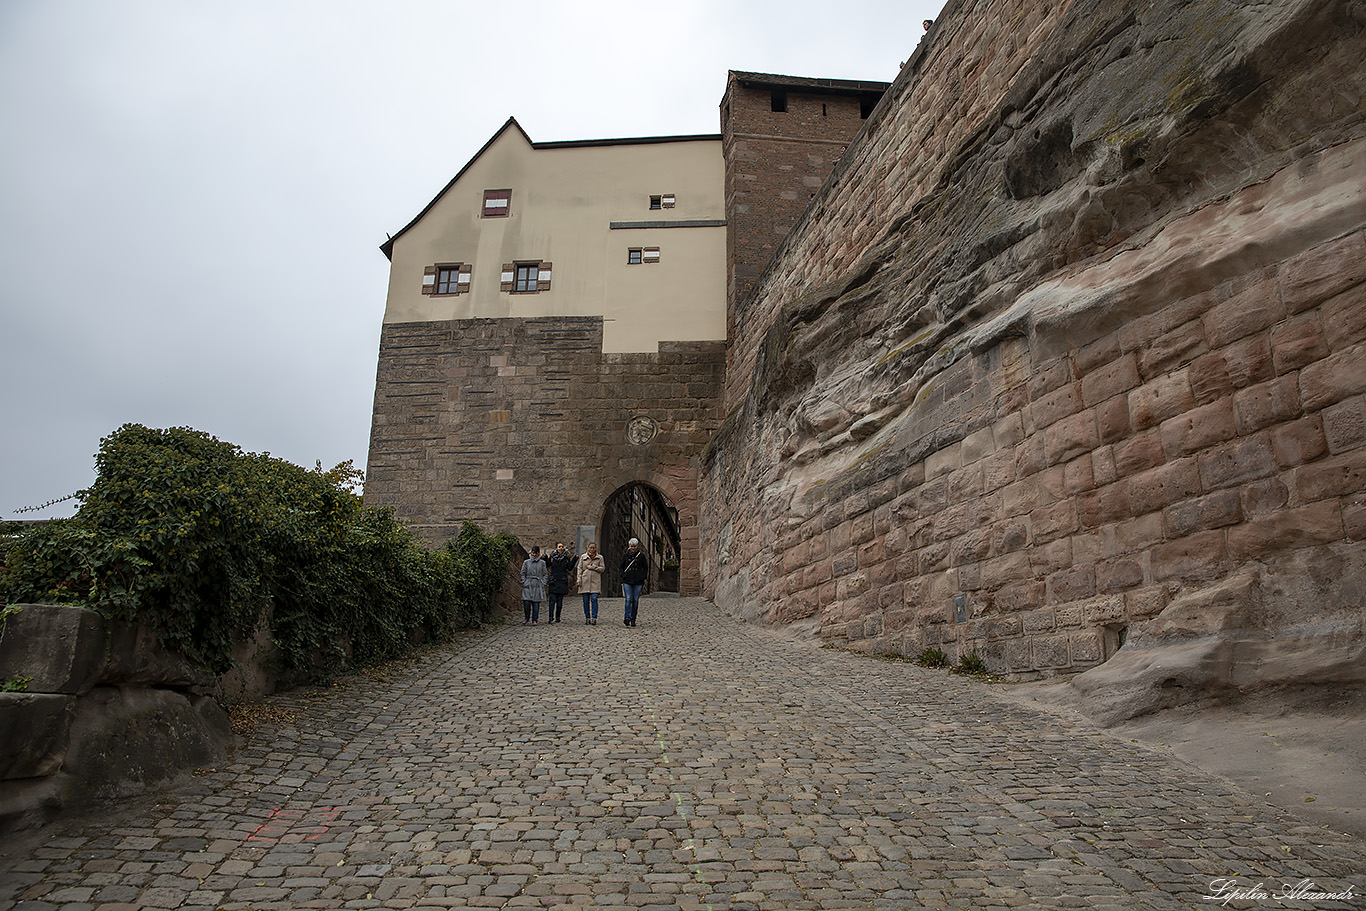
x=447, y=279
x=528, y=274
x=526, y=277
x=777, y=101
x=633, y=256
x=497, y=203
x=656, y=202
x=668, y=200
x=650, y=254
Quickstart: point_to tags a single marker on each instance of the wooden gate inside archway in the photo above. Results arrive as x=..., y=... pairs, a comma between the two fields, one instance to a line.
x=640, y=511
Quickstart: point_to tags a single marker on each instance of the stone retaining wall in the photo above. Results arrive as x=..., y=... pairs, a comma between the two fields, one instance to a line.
x=1096, y=387
x=103, y=713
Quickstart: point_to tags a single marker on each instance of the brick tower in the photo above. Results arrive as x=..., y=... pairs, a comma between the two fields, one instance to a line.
x=781, y=136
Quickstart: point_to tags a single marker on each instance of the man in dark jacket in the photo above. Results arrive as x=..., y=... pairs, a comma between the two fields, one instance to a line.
x=635, y=569
x=561, y=565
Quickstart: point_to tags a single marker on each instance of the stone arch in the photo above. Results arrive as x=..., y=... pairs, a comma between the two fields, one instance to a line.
x=679, y=489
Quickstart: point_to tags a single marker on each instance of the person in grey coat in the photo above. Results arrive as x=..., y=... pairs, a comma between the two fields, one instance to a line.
x=534, y=575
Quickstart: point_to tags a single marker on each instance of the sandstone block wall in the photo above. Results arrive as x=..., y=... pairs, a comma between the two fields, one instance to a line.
x=1092, y=487
x=1094, y=381
x=521, y=426
x=952, y=81
x=103, y=712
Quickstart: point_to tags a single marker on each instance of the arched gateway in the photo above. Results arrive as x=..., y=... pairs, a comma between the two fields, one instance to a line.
x=642, y=512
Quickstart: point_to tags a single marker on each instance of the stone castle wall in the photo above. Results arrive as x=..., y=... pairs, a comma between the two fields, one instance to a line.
x=776, y=161
x=953, y=80
x=527, y=419
x=1078, y=371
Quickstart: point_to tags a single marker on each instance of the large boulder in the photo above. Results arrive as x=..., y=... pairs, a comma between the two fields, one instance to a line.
x=125, y=739
x=1234, y=637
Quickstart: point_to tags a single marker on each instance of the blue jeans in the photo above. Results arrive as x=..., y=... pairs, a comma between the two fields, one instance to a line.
x=531, y=611
x=555, y=607
x=586, y=600
x=632, y=593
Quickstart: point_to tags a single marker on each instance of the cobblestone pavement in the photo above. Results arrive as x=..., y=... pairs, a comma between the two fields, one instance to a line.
x=693, y=762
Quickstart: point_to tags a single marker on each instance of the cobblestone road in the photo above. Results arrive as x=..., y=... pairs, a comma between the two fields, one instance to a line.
x=692, y=762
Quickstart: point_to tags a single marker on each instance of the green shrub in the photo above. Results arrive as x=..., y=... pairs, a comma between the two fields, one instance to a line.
x=972, y=665
x=198, y=538
x=932, y=657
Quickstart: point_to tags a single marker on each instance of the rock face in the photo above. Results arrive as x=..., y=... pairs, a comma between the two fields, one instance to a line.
x=1064, y=367
x=104, y=712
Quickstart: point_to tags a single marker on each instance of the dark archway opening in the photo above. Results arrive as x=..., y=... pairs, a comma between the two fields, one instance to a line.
x=640, y=511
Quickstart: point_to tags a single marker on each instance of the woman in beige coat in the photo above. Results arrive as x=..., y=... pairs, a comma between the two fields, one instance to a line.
x=591, y=566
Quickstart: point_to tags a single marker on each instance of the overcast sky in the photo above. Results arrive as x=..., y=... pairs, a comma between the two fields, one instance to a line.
x=193, y=194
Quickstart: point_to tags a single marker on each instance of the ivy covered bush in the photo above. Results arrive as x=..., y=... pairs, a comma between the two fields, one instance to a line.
x=198, y=538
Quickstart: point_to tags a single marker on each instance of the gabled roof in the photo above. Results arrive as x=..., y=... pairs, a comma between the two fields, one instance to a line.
x=815, y=86
x=388, y=246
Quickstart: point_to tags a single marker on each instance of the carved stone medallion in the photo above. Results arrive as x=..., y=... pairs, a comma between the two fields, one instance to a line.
x=641, y=430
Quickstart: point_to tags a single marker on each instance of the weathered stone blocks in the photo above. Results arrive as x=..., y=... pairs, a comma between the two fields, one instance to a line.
x=1251, y=311
x=1176, y=390
x=61, y=649
x=1199, y=428
x=1162, y=398
x=1333, y=379
x=1318, y=523
x=1316, y=275
x=71, y=735
x=37, y=729
x=1344, y=424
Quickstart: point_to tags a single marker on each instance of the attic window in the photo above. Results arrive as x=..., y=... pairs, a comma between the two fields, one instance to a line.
x=656, y=202
x=777, y=100
x=866, y=105
x=497, y=203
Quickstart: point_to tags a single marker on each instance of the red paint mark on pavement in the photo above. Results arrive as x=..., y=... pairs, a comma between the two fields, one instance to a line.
x=292, y=826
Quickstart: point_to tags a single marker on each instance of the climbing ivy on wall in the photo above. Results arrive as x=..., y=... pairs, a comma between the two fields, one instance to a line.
x=199, y=538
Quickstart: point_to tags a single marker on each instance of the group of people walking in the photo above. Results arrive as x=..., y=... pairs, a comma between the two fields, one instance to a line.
x=549, y=575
